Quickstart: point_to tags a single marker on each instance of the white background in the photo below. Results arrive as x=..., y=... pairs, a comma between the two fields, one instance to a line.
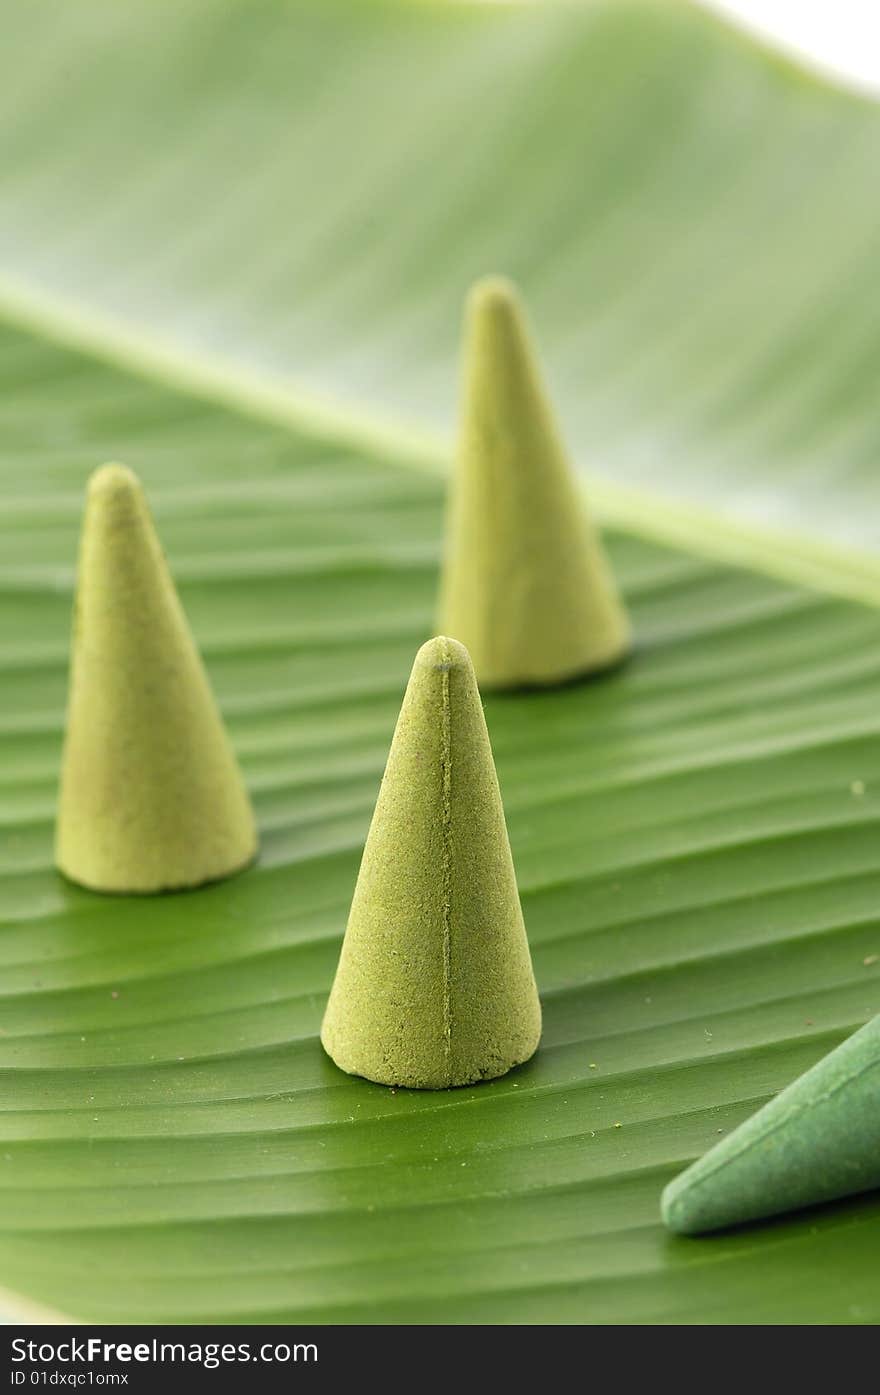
x=839, y=37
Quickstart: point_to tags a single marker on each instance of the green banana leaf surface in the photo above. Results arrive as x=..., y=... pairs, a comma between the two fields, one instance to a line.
x=234, y=241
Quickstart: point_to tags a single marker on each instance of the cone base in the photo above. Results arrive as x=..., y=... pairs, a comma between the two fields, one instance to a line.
x=127, y=888
x=570, y=675
x=400, y=1079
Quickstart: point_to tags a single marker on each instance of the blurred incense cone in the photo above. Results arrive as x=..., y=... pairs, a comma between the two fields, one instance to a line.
x=151, y=795
x=817, y=1140
x=526, y=584
x=434, y=985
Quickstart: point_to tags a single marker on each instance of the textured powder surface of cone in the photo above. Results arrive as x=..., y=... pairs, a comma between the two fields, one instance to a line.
x=817, y=1140
x=435, y=985
x=151, y=795
x=526, y=584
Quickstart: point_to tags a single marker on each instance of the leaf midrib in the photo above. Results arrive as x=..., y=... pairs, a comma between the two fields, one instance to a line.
x=826, y=567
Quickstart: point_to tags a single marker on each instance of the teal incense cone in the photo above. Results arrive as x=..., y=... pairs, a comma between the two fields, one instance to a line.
x=816, y=1141
x=434, y=985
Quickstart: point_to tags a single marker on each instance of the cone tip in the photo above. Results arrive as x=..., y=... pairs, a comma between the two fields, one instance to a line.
x=113, y=481
x=493, y=296
x=675, y=1212
x=442, y=653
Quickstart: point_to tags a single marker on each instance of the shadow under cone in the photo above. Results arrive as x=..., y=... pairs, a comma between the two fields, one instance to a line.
x=817, y=1140
x=435, y=985
x=151, y=795
x=526, y=584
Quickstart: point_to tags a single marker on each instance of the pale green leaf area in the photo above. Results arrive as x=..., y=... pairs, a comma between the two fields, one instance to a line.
x=277, y=207
x=294, y=194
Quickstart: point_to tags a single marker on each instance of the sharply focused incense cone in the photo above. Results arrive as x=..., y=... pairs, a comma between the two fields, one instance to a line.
x=434, y=985
x=817, y=1140
x=526, y=584
x=151, y=795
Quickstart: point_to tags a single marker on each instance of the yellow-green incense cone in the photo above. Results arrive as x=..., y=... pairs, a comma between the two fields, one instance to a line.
x=435, y=985
x=526, y=583
x=151, y=795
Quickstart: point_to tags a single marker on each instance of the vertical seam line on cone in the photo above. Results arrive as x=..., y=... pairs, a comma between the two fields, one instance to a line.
x=446, y=856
